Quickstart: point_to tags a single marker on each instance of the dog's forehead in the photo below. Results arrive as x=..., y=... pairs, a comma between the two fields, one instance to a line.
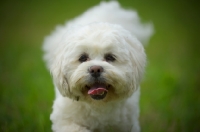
x=98, y=39
x=96, y=47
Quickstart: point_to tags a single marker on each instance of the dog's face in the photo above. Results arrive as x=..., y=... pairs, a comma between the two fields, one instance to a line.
x=98, y=62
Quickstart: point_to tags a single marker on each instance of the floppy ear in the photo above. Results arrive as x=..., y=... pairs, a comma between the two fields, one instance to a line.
x=138, y=60
x=60, y=81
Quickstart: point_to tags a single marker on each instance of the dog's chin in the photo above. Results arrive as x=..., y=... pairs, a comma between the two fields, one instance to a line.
x=99, y=97
x=98, y=91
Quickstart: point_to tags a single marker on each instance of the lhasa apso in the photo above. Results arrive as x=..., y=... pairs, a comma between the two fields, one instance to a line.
x=97, y=62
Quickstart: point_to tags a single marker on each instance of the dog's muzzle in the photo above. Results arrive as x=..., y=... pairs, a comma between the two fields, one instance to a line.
x=98, y=90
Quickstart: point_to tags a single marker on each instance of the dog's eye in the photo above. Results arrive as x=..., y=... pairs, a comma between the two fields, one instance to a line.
x=109, y=57
x=83, y=58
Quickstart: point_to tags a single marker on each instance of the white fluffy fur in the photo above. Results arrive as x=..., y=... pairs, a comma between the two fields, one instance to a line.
x=103, y=29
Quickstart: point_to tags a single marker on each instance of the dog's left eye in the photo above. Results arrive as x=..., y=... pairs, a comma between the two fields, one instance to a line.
x=109, y=57
x=83, y=58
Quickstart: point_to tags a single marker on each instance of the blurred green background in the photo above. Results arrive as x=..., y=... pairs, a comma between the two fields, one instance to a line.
x=170, y=98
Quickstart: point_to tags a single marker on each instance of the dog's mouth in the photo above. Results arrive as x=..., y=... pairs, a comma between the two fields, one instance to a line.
x=98, y=91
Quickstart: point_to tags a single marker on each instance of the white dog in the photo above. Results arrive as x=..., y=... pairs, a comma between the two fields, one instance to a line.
x=97, y=62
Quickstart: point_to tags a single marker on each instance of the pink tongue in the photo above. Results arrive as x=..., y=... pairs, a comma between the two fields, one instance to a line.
x=97, y=89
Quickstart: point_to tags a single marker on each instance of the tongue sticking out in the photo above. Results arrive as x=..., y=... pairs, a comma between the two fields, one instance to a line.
x=97, y=89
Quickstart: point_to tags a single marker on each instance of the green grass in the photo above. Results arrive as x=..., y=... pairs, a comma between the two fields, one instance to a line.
x=170, y=100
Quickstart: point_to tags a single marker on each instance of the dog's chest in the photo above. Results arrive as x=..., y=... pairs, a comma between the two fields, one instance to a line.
x=107, y=119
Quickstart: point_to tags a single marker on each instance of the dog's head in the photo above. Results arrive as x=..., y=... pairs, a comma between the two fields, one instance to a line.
x=99, y=61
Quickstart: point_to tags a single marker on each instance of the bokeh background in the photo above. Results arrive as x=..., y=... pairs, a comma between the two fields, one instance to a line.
x=170, y=99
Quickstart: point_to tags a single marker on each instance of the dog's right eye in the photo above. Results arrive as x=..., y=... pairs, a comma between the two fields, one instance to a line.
x=83, y=58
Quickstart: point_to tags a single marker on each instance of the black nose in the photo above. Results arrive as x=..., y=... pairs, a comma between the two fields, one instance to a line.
x=96, y=71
